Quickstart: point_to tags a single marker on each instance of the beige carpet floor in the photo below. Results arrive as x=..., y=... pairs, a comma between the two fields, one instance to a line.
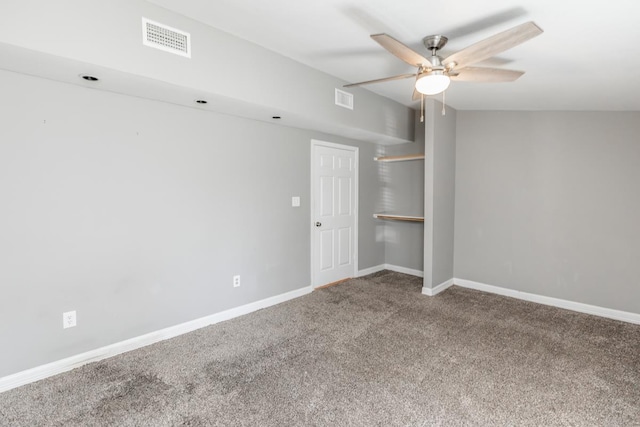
x=371, y=351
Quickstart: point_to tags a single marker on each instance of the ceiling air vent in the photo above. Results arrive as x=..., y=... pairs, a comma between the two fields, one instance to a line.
x=166, y=38
x=344, y=99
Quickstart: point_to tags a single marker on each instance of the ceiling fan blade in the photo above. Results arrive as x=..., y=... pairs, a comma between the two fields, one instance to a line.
x=493, y=45
x=386, y=79
x=485, y=75
x=484, y=23
x=403, y=52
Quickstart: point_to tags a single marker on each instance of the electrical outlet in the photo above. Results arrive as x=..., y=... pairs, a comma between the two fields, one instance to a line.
x=236, y=281
x=295, y=201
x=69, y=319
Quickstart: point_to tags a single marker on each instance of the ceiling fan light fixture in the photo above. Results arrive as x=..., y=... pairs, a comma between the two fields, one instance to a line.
x=432, y=83
x=434, y=74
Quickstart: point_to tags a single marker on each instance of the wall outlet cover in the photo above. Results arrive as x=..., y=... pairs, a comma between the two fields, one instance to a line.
x=295, y=201
x=69, y=319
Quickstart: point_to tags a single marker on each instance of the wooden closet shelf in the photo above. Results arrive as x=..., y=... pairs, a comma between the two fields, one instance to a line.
x=418, y=156
x=399, y=217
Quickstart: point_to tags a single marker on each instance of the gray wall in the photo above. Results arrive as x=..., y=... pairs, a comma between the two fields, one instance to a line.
x=137, y=214
x=440, y=166
x=444, y=176
x=548, y=203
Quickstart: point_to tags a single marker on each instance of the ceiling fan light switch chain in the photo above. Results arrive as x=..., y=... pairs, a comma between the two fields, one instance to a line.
x=444, y=99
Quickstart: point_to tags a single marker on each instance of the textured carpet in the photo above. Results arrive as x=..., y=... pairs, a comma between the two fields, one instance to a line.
x=370, y=351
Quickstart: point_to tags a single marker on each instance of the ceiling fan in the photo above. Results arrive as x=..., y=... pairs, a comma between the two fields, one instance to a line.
x=434, y=74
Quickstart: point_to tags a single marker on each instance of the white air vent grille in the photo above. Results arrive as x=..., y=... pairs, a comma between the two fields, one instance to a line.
x=344, y=99
x=165, y=38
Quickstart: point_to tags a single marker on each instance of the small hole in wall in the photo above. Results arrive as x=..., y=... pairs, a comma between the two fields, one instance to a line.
x=89, y=78
x=201, y=101
x=276, y=117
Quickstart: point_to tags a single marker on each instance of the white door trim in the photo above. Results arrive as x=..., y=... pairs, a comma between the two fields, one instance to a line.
x=356, y=150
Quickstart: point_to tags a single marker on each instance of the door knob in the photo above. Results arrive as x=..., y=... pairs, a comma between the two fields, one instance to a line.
x=318, y=224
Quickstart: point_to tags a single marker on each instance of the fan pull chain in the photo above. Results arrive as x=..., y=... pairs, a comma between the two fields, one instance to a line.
x=444, y=111
x=421, y=108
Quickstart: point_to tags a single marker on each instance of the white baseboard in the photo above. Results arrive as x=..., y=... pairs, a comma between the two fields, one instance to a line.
x=404, y=270
x=435, y=291
x=60, y=366
x=370, y=270
x=609, y=313
x=390, y=267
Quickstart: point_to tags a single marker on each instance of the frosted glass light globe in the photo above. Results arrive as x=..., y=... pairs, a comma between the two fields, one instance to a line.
x=434, y=83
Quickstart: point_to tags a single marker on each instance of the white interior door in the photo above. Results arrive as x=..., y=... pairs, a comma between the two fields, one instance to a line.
x=334, y=205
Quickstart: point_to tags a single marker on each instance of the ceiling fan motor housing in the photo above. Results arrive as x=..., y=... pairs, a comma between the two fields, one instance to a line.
x=436, y=65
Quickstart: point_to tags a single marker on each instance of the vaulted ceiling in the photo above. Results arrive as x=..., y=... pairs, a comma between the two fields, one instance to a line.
x=587, y=59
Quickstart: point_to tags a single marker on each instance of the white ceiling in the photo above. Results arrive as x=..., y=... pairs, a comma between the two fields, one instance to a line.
x=588, y=58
